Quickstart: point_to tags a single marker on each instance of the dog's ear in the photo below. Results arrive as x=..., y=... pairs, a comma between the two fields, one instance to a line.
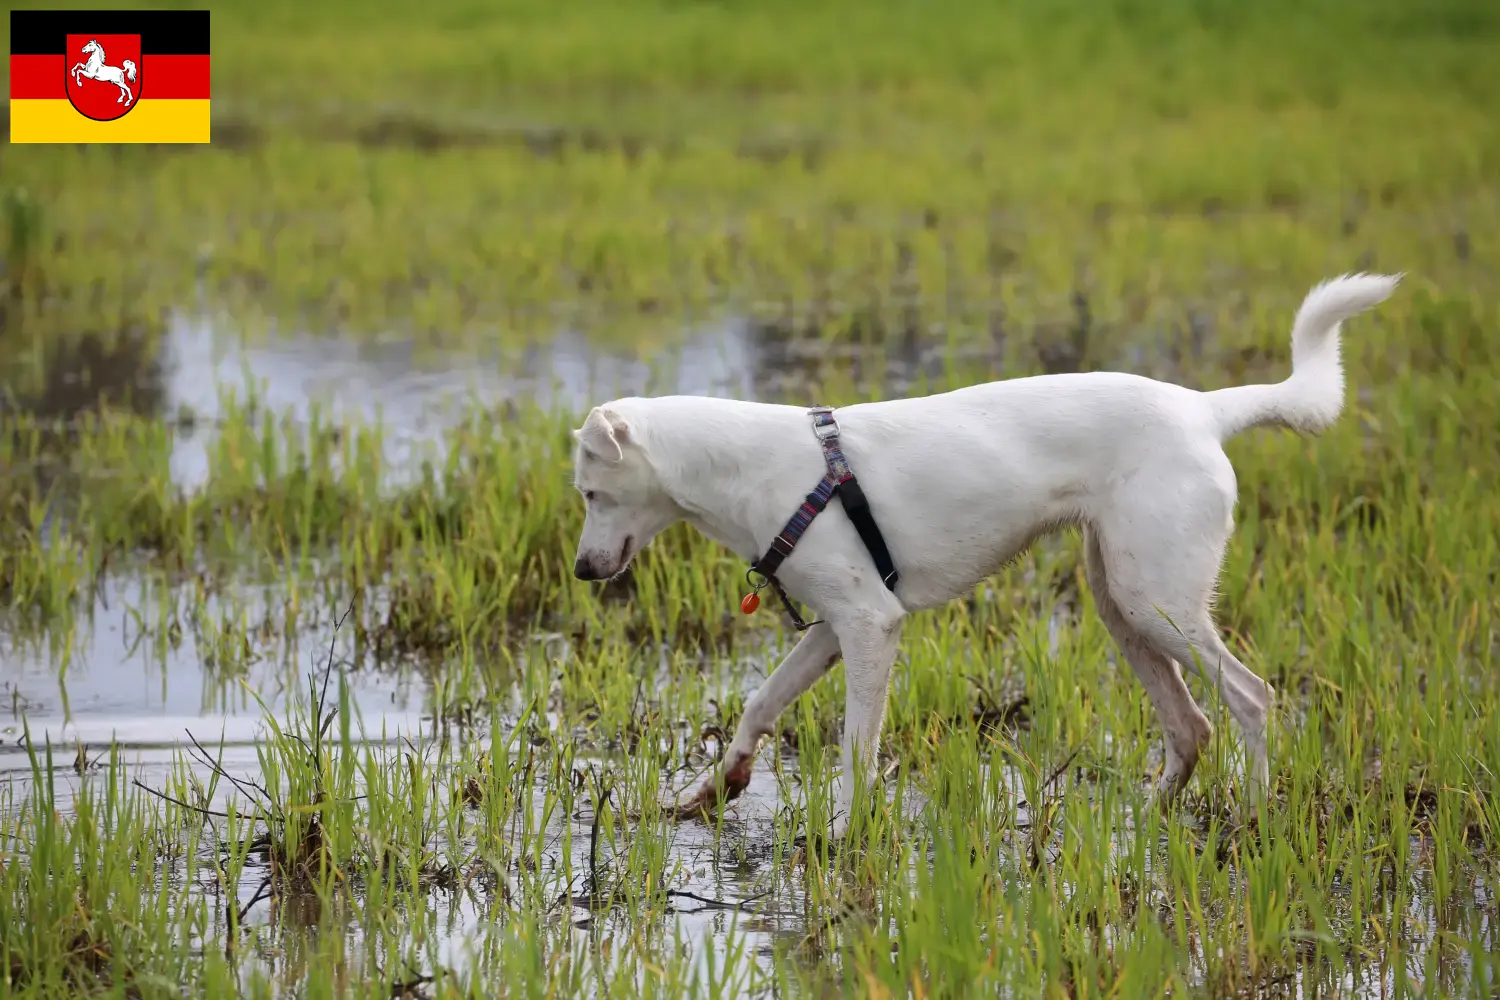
x=604, y=433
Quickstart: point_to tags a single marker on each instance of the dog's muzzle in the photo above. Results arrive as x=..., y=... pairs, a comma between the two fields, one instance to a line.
x=585, y=569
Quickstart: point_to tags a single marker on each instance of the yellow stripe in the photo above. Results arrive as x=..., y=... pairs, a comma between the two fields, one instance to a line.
x=149, y=121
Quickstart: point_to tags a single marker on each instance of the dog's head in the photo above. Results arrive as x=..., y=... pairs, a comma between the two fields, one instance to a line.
x=626, y=504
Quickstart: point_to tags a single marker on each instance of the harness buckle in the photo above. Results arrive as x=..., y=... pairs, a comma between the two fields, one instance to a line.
x=823, y=429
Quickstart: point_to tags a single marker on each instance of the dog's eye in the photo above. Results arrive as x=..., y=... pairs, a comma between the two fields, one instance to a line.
x=588, y=495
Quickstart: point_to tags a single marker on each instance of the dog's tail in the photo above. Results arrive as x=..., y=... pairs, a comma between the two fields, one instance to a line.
x=1311, y=399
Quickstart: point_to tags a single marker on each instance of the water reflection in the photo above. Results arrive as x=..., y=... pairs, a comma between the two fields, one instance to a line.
x=191, y=372
x=60, y=378
x=113, y=677
x=418, y=395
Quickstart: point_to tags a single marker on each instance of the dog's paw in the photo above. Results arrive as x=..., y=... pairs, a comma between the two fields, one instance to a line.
x=700, y=805
x=713, y=794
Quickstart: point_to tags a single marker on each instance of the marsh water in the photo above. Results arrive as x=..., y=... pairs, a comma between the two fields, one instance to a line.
x=114, y=681
x=120, y=678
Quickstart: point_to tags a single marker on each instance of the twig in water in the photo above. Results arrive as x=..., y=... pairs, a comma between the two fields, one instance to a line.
x=601, y=801
x=237, y=917
x=262, y=892
x=715, y=904
x=214, y=765
x=177, y=802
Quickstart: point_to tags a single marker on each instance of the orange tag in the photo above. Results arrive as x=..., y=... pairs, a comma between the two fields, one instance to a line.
x=750, y=603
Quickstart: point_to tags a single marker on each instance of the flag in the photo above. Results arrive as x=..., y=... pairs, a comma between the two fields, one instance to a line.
x=80, y=76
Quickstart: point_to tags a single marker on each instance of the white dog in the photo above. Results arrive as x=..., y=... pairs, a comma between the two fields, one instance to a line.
x=960, y=483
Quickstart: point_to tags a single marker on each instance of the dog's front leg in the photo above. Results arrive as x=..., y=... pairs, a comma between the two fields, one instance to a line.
x=869, y=652
x=815, y=653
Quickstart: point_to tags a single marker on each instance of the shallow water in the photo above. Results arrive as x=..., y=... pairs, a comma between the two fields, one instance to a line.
x=148, y=700
x=417, y=395
x=142, y=672
x=124, y=675
x=117, y=674
x=145, y=689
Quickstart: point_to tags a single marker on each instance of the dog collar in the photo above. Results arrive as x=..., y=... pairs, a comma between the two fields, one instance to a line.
x=839, y=480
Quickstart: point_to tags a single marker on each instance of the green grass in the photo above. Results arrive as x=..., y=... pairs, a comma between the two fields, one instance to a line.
x=648, y=160
x=1015, y=188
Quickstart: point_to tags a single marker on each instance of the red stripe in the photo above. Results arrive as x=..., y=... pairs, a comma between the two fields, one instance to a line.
x=41, y=78
x=38, y=77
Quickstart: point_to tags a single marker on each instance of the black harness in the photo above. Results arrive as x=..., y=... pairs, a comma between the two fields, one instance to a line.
x=838, y=480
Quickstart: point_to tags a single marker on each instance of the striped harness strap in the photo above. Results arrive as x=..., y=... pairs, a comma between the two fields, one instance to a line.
x=838, y=480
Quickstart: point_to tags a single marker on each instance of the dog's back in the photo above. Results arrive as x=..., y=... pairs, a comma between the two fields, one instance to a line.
x=966, y=479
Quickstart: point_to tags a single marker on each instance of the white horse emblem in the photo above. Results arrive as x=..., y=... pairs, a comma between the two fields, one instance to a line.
x=95, y=69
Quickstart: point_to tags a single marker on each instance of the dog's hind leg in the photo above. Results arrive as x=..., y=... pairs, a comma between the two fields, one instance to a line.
x=815, y=653
x=870, y=640
x=1194, y=639
x=1185, y=729
x=1163, y=560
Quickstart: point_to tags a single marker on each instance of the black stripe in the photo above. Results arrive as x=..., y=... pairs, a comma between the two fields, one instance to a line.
x=858, y=508
x=163, y=32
